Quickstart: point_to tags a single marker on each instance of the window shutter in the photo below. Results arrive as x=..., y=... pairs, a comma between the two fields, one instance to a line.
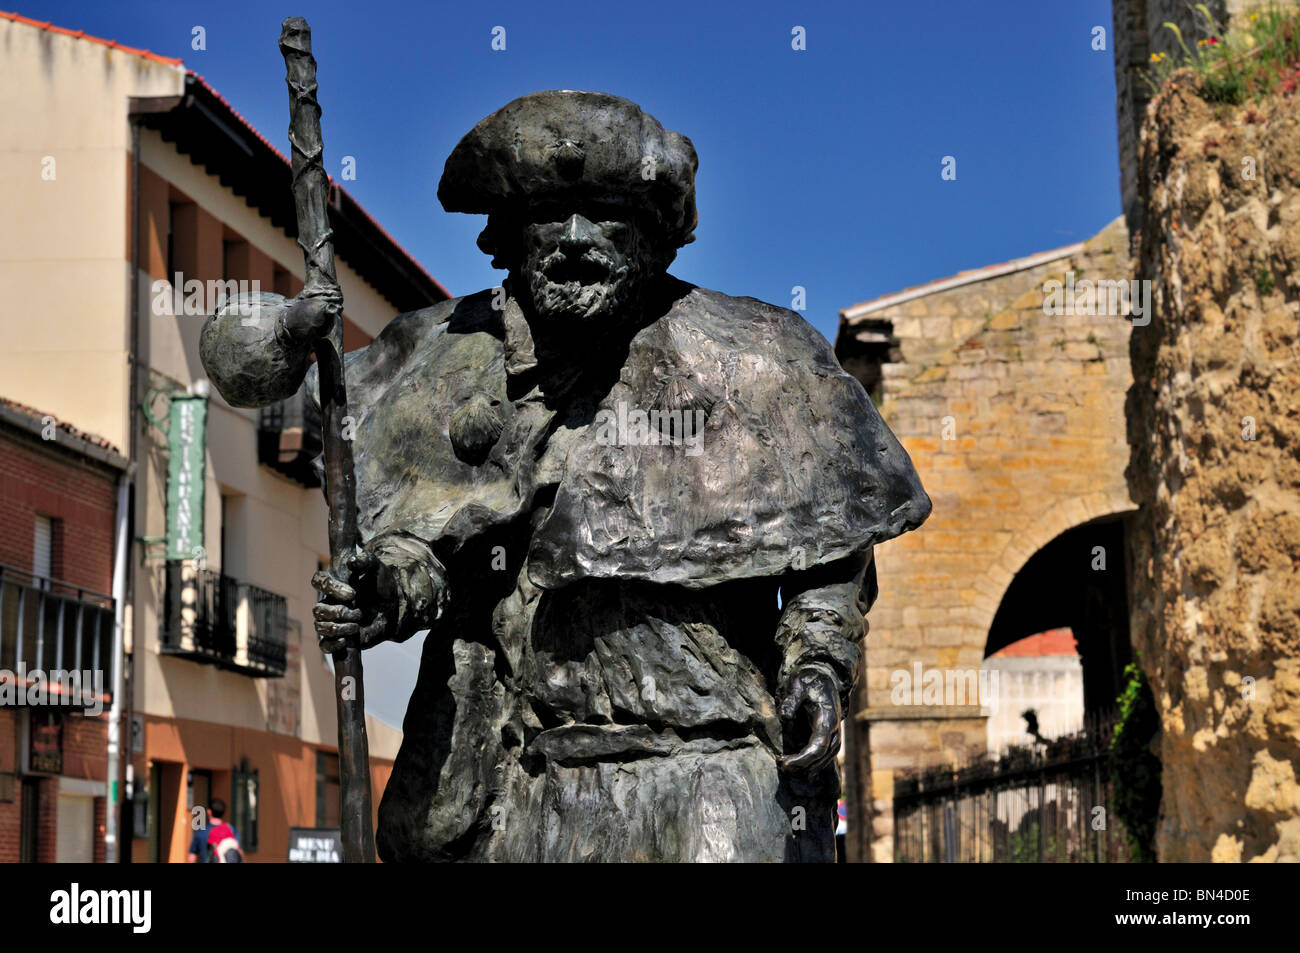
x=43, y=548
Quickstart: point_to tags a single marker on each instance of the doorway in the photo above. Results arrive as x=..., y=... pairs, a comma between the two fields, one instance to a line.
x=199, y=785
x=76, y=827
x=29, y=830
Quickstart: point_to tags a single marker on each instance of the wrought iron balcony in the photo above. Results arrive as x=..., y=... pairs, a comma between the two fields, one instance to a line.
x=214, y=619
x=55, y=627
x=289, y=438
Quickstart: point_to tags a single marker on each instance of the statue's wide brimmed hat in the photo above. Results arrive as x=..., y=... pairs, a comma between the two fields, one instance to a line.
x=564, y=143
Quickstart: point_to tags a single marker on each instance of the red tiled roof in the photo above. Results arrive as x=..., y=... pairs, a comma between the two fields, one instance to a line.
x=83, y=35
x=38, y=417
x=333, y=185
x=396, y=243
x=235, y=112
x=1051, y=642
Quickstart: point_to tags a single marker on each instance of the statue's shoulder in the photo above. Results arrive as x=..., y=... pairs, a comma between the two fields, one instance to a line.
x=427, y=334
x=468, y=314
x=464, y=330
x=742, y=323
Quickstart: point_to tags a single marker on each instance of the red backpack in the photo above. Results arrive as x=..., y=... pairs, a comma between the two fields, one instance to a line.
x=224, y=845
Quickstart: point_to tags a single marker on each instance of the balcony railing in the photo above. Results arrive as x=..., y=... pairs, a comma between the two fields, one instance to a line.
x=289, y=438
x=51, y=626
x=211, y=618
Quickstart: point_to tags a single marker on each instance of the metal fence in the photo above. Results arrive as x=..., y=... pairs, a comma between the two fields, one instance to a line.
x=50, y=625
x=213, y=618
x=268, y=622
x=1052, y=803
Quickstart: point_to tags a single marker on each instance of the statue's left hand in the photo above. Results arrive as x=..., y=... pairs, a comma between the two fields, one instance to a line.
x=391, y=591
x=814, y=692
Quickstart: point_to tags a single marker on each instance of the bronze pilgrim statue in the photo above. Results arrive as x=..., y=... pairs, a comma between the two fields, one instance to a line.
x=635, y=517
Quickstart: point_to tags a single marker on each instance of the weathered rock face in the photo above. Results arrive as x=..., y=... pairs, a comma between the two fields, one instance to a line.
x=1214, y=429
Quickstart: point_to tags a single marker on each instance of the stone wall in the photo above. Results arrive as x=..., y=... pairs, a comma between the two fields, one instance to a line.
x=1214, y=423
x=1033, y=405
x=1052, y=685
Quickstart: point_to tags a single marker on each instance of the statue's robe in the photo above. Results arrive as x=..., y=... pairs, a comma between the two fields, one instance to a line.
x=601, y=684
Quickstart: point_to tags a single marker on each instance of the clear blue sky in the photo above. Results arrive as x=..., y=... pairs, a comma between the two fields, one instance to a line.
x=818, y=168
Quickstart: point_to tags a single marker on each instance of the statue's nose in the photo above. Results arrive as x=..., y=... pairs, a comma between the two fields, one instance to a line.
x=578, y=231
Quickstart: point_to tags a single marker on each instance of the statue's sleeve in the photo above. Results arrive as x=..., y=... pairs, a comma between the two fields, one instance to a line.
x=421, y=582
x=823, y=619
x=248, y=354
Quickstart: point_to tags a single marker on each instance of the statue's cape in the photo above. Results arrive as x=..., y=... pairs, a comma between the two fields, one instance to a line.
x=793, y=467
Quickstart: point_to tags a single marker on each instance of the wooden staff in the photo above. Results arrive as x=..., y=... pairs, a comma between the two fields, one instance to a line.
x=315, y=237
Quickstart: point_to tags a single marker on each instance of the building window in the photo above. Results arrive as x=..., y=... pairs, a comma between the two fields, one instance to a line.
x=243, y=804
x=199, y=794
x=43, y=551
x=327, y=789
x=182, y=241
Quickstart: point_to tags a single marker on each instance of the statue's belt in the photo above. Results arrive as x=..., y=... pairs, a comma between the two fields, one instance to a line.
x=583, y=744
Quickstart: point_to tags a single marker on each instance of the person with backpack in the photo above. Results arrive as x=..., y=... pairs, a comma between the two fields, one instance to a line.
x=199, y=852
x=222, y=841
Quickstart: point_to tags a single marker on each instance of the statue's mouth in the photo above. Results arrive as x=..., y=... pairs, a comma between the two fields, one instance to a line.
x=592, y=268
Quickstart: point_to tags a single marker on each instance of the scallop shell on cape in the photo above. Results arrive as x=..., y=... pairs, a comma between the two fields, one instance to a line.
x=678, y=392
x=475, y=428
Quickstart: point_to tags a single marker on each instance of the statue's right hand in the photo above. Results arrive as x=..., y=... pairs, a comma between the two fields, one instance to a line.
x=307, y=317
x=362, y=610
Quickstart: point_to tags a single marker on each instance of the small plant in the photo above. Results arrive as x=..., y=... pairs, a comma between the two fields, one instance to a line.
x=1135, y=769
x=1264, y=281
x=1257, y=56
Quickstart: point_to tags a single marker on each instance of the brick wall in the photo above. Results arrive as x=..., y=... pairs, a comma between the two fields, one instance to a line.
x=40, y=477
x=85, y=747
x=50, y=481
x=10, y=812
x=101, y=820
x=47, y=823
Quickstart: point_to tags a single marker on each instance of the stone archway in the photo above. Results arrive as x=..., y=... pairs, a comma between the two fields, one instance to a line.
x=1040, y=531
x=1014, y=417
x=1078, y=581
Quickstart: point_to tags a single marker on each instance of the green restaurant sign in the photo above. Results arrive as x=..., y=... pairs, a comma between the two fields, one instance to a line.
x=186, y=460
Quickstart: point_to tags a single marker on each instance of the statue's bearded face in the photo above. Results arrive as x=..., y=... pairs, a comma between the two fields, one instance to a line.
x=583, y=265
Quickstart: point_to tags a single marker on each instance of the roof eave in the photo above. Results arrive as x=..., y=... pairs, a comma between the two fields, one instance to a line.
x=204, y=127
